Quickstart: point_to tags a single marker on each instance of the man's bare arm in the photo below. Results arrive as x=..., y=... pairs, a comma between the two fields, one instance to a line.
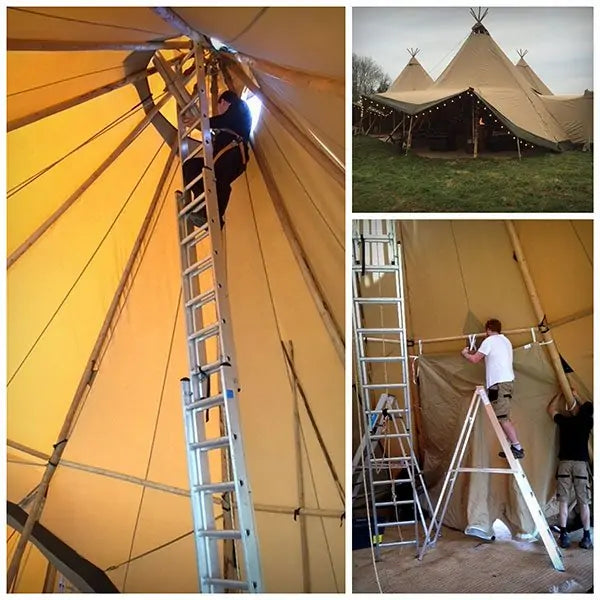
x=474, y=358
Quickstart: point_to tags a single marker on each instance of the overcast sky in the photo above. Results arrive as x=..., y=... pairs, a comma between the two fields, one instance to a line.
x=559, y=40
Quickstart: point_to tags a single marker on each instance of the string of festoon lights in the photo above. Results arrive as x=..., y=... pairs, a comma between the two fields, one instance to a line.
x=486, y=110
x=375, y=108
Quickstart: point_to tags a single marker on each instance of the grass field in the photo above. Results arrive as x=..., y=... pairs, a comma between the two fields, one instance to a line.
x=384, y=180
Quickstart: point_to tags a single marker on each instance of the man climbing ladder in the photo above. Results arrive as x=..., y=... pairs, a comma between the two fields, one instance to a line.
x=499, y=377
x=231, y=133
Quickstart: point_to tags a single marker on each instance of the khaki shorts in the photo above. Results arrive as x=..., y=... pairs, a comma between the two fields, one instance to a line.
x=500, y=395
x=573, y=473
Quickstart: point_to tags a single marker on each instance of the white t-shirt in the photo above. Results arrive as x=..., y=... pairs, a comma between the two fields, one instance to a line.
x=498, y=359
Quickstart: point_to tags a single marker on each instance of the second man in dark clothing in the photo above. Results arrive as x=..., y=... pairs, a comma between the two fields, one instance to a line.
x=572, y=473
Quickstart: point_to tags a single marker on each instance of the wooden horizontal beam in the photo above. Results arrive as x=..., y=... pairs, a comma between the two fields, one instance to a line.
x=89, y=95
x=67, y=46
x=161, y=487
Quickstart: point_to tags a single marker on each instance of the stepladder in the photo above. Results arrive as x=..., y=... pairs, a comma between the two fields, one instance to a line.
x=396, y=497
x=227, y=549
x=515, y=469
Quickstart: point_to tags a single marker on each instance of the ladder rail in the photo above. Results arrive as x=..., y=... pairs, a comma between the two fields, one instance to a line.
x=375, y=252
x=365, y=399
x=516, y=470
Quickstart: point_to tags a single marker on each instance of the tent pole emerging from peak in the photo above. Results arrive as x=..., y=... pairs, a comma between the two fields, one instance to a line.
x=175, y=21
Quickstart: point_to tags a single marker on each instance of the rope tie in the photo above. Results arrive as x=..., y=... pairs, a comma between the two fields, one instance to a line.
x=472, y=342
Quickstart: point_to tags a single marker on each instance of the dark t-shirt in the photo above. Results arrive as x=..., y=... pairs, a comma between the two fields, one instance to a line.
x=574, y=433
x=237, y=118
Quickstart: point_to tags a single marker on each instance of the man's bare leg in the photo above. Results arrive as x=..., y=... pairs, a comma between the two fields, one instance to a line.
x=510, y=431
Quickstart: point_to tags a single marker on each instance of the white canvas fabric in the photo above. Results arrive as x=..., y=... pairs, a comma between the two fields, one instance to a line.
x=498, y=359
x=481, y=66
x=531, y=76
x=412, y=77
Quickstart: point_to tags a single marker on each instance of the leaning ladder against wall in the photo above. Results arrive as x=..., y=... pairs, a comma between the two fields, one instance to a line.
x=223, y=514
x=378, y=323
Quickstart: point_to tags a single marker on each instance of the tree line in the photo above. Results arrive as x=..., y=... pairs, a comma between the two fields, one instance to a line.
x=367, y=77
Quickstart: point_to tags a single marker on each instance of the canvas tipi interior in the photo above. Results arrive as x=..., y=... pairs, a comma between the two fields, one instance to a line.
x=457, y=275
x=482, y=101
x=94, y=278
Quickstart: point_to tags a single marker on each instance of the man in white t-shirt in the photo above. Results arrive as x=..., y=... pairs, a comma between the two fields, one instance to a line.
x=499, y=377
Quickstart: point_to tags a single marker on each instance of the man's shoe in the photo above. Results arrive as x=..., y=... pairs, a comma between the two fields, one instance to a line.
x=564, y=541
x=516, y=453
x=586, y=542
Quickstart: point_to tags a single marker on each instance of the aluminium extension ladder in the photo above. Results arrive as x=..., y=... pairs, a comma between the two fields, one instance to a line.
x=376, y=260
x=213, y=378
x=480, y=397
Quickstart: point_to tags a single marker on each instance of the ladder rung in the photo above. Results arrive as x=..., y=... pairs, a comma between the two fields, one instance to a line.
x=201, y=299
x=399, y=543
x=389, y=481
x=199, y=202
x=369, y=237
x=211, y=444
x=196, y=236
x=383, y=436
x=395, y=523
x=216, y=488
x=382, y=386
x=220, y=534
x=188, y=129
x=204, y=334
x=189, y=105
x=374, y=330
x=389, y=411
x=381, y=358
x=232, y=584
x=396, y=503
x=210, y=368
x=194, y=153
x=198, y=267
x=485, y=470
x=205, y=403
x=375, y=268
x=360, y=300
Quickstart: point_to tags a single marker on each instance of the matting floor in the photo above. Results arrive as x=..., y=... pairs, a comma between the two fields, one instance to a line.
x=460, y=563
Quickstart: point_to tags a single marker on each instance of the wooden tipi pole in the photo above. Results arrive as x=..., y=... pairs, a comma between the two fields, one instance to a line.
x=409, y=138
x=300, y=478
x=539, y=312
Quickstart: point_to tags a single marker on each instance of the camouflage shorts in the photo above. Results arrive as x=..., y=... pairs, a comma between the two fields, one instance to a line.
x=573, y=474
x=500, y=395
